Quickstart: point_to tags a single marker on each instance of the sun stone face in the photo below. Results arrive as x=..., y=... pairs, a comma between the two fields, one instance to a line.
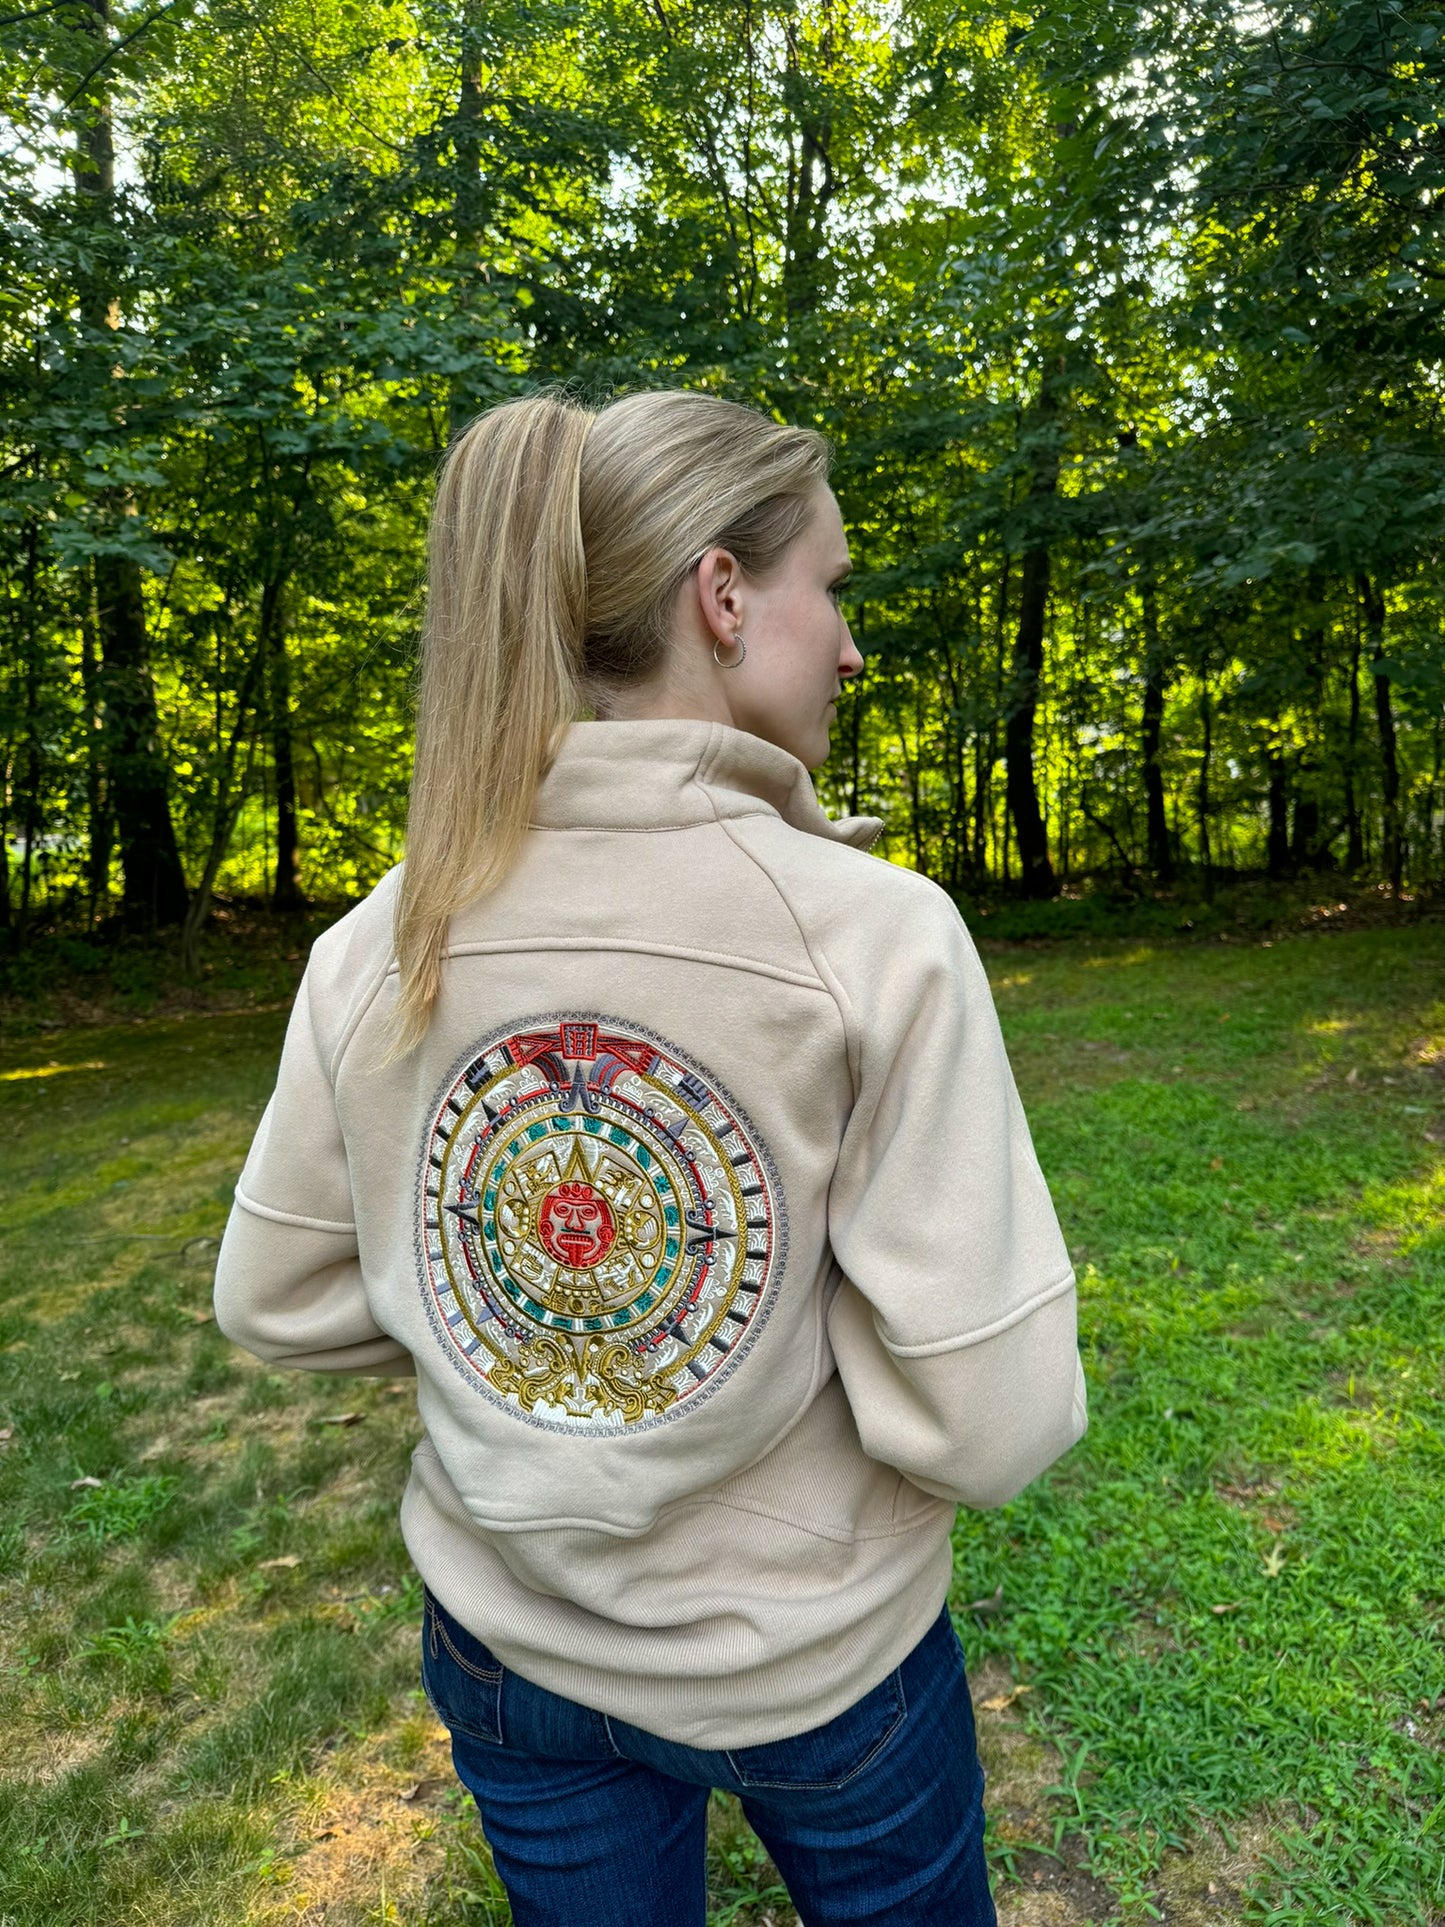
x=599, y=1225
x=575, y=1225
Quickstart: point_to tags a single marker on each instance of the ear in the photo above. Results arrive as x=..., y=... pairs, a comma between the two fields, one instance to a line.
x=720, y=592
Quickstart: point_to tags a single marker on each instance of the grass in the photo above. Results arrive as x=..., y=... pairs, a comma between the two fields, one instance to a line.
x=1211, y=1688
x=1231, y=1597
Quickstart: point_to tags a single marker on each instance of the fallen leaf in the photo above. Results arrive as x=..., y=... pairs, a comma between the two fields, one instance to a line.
x=1232, y=1607
x=1216, y=1164
x=201, y=1317
x=1001, y=1700
x=1274, y=1562
x=340, y=1418
x=1352, y=1076
x=1271, y=1524
x=88, y=1480
x=287, y=1559
x=7, y=1432
x=991, y=1605
x=1242, y=1493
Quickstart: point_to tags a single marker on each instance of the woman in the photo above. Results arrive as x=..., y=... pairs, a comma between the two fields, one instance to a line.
x=669, y=1139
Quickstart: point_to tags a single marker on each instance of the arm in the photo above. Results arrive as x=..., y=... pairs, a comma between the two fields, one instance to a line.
x=954, y=1324
x=289, y=1284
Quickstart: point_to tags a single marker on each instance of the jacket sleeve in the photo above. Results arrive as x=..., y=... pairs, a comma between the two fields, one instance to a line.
x=289, y=1283
x=954, y=1325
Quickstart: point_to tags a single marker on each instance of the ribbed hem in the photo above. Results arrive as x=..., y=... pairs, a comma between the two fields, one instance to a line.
x=791, y=1630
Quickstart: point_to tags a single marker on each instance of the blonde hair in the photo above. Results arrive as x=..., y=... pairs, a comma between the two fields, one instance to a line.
x=560, y=538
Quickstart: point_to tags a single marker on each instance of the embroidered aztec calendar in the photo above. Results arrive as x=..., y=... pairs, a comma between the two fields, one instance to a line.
x=600, y=1225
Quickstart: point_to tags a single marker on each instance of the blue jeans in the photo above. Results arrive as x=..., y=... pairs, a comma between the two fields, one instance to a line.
x=875, y=1816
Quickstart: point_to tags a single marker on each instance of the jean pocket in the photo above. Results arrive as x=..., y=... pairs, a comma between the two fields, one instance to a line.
x=830, y=1755
x=461, y=1677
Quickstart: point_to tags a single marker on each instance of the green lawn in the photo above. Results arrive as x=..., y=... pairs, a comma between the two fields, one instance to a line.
x=1211, y=1688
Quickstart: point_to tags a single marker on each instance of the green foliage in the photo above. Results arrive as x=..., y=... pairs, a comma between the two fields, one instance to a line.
x=121, y=1510
x=1146, y=301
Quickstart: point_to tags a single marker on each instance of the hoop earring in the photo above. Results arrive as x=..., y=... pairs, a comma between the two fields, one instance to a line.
x=738, y=638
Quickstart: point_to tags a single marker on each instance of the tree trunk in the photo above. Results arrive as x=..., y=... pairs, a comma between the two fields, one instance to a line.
x=811, y=188
x=286, y=890
x=155, y=886
x=954, y=856
x=1305, y=847
x=1204, y=804
x=7, y=914
x=1036, y=872
x=1392, y=851
x=97, y=809
x=1161, y=858
x=30, y=815
x=1354, y=825
x=1277, y=848
x=469, y=211
x=911, y=773
x=227, y=807
x=984, y=806
x=1306, y=850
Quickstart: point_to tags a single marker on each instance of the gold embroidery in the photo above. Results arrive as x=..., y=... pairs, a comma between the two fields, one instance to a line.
x=599, y=1225
x=594, y=1374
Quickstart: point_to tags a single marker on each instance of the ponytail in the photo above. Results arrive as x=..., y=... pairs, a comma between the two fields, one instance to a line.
x=500, y=669
x=552, y=581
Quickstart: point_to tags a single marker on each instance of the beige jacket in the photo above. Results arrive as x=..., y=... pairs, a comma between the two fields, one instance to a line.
x=708, y=1219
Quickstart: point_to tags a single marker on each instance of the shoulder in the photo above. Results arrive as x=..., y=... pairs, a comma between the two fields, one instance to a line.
x=349, y=960
x=844, y=879
x=870, y=918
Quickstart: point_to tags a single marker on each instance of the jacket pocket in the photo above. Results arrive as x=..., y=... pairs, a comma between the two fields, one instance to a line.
x=828, y=1756
x=461, y=1677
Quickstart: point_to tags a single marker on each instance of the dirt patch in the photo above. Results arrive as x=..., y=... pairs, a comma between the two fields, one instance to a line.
x=1053, y=1889
x=1202, y=1887
x=1207, y=1885
x=364, y=1829
x=48, y=1754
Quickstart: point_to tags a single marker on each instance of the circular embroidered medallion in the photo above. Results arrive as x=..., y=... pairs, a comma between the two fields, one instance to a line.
x=600, y=1224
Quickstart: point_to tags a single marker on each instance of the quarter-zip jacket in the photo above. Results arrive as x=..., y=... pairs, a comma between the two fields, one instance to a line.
x=708, y=1219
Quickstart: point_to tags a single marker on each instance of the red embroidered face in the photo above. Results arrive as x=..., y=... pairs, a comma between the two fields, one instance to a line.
x=575, y=1225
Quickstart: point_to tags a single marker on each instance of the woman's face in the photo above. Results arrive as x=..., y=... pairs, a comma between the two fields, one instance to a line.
x=799, y=650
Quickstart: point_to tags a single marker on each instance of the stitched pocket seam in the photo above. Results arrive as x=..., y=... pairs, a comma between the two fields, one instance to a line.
x=488, y=1735
x=489, y=1675
x=831, y=1786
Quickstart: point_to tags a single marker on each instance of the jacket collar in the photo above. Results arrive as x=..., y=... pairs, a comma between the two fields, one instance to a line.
x=668, y=772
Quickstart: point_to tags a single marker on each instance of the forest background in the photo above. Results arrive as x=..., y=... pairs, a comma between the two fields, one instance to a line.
x=1126, y=322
